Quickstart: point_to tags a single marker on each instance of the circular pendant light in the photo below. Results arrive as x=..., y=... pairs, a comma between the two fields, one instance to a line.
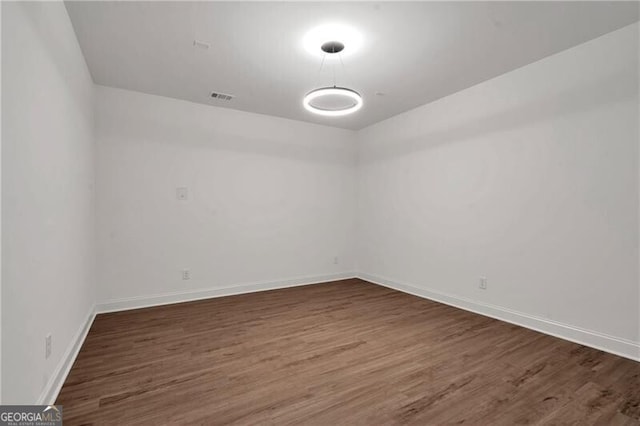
x=332, y=101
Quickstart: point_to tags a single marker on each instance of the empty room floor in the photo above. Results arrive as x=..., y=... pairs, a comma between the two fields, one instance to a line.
x=346, y=352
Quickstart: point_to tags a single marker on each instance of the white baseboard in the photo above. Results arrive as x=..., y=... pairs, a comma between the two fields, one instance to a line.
x=187, y=296
x=52, y=389
x=615, y=345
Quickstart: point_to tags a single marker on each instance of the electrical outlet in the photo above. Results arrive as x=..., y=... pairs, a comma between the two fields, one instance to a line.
x=483, y=283
x=336, y=260
x=186, y=274
x=47, y=346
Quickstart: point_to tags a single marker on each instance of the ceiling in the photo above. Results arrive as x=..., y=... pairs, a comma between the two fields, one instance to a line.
x=411, y=53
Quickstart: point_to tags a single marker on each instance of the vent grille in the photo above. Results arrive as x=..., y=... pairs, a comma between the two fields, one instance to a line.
x=221, y=96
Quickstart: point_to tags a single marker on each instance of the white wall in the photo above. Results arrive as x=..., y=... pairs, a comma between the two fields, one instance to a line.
x=270, y=199
x=47, y=196
x=0, y=210
x=529, y=179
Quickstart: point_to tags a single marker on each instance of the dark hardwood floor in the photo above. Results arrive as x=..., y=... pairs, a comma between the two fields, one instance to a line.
x=341, y=353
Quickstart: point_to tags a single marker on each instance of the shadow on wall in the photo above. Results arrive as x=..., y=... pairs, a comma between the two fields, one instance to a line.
x=129, y=116
x=613, y=89
x=60, y=52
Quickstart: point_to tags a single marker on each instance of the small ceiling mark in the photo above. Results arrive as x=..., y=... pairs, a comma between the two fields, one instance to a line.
x=201, y=44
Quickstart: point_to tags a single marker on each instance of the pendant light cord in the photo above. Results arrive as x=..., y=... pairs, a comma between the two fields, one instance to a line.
x=344, y=71
x=333, y=71
x=333, y=68
x=320, y=69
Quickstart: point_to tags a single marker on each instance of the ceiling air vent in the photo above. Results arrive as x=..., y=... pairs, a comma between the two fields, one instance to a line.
x=221, y=96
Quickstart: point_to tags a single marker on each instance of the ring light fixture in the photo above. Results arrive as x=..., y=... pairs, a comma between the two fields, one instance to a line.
x=330, y=42
x=341, y=101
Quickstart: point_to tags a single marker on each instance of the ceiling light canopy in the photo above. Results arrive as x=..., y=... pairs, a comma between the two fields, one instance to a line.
x=349, y=38
x=332, y=101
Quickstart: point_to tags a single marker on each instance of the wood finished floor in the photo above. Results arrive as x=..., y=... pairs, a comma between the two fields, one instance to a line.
x=340, y=353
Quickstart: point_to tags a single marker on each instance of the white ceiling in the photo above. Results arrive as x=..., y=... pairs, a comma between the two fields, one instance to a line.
x=414, y=53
